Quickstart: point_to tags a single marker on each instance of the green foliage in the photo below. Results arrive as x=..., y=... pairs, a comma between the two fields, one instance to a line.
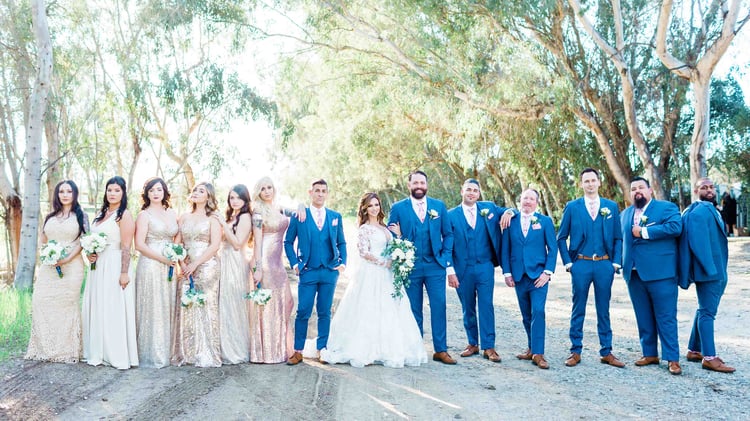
x=15, y=322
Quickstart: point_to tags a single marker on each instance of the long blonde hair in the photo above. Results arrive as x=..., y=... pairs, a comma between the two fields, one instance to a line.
x=270, y=212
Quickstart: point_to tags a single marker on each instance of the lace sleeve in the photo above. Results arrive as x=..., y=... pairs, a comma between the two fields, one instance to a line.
x=364, y=247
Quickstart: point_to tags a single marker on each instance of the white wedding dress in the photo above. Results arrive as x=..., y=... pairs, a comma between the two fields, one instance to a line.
x=370, y=326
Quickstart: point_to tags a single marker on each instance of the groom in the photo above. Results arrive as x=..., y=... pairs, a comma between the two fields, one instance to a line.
x=318, y=259
x=425, y=222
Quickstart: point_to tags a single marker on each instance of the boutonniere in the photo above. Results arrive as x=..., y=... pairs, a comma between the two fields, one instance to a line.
x=433, y=214
x=604, y=212
x=484, y=212
x=534, y=220
x=335, y=222
x=644, y=219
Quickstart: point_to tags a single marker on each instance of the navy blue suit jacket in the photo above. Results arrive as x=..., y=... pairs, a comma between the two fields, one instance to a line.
x=574, y=216
x=304, y=231
x=533, y=254
x=703, y=245
x=441, y=233
x=655, y=258
x=485, y=224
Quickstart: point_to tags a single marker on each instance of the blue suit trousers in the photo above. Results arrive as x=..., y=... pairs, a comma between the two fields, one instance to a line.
x=531, y=301
x=655, y=306
x=476, y=287
x=584, y=273
x=320, y=282
x=430, y=277
x=702, y=335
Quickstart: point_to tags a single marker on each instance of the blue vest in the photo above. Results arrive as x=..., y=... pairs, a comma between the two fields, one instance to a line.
x=479, y=247
x=594, y=240
x=320, y=248
x=422, y=242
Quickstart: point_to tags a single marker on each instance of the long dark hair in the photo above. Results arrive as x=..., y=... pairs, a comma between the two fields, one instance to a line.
x=75, y=207
x=123, y=202
x=362, y=217
x=244, y=195
x=150, y=183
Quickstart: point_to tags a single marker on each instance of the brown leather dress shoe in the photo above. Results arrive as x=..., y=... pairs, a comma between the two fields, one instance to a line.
x=525, y=356
x=646, y=361
x=573, y=359
x=612, y=360
x=443, y=357
x=491, y=355
x=539, y=361
x=295, y=359
x=717, y=364
x=694, y=357
x=470, y=350
x=674, y=368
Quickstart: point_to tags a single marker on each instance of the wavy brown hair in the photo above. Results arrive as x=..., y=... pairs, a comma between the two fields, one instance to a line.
x=362, y=217
x=148, y=185
x=211, y=204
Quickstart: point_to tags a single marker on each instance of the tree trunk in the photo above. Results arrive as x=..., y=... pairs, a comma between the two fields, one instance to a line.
x=701, y=92
x=33, y=154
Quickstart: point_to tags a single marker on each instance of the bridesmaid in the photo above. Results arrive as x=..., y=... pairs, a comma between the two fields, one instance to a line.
x=234, y=326
x=55, y=304
x=155, y=226
x=195, y=337
x=271, y=336
x=108, y=299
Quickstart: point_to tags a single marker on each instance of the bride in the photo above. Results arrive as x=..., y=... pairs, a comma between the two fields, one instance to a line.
x=370, y=326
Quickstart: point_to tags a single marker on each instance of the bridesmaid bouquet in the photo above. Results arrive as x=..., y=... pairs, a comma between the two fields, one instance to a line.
x=175, y=253
x=259, y=296
x=191, y=296
x=51, y=253
x=93, y=243
x=402, y=254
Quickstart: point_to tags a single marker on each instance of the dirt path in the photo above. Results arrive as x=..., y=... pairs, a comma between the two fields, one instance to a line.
x=474, y=389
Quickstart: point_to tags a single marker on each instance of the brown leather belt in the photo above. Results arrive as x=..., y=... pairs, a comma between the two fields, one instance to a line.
x=594, y=257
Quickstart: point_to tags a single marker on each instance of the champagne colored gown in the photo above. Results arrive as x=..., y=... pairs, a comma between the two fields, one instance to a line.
x=234, y=325
x=56, y=302
x=271, y=325
x=155, y=297
x=195, y=338
x=108, y=310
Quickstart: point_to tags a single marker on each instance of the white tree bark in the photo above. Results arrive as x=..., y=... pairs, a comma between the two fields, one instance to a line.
x=33, y=154
x=700, y=74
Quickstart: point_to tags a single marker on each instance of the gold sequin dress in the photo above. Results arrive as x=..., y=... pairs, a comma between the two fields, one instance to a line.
x=155, y=297
x=56, y=302
x=195, y=338
x=234, y=322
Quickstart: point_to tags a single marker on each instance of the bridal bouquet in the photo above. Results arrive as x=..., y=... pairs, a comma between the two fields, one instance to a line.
x=402, y=256
x=191, y=296
x=175, y=253
x=93, y=243
x=259, y=296
x=51, y=253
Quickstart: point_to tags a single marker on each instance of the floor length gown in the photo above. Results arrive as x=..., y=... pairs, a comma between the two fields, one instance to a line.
x=271, y=325
x=370, y=326
x=155, y=297
x=234, y=324
x=195, y=338
x=56, y=302
x=109, y=335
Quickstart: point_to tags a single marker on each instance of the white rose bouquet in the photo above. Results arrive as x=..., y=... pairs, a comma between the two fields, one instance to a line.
x=51, y=253
x=402, y=255
x=260, y=296
x=191, y=296
x=175, y=253
x=93, y=243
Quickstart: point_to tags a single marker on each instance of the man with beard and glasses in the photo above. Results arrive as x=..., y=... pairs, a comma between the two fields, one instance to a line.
x=592, y=224
x=425, y=222
x=650, y=229
x=703, y=260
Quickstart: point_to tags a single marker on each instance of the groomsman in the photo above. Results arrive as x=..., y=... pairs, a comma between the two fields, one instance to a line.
x=650, y=229
x=425, y=222
x=703, y=260
x=593, y=226
x=476, y=251
x=318, y=259
x=529, y=256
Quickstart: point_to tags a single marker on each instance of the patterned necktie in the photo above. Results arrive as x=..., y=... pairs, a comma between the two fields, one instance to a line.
x=319, y=219
x=525, y=221
x=421, y=212
x=592, y=210
x=472, y=218
x=637, y=216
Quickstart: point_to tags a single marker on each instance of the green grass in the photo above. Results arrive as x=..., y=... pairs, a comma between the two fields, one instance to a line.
x=15, y=322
